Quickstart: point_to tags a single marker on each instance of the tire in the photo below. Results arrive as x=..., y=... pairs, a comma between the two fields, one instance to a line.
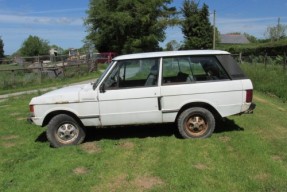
x=196, y=122
x=64, y=130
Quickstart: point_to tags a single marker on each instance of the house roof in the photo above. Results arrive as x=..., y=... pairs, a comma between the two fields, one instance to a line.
x=233, y=39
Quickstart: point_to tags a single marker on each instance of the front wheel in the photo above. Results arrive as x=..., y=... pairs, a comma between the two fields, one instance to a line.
x=64, y=130
x=196, y=122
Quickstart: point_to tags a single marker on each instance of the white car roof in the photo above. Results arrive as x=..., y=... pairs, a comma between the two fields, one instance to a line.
x=169, y=54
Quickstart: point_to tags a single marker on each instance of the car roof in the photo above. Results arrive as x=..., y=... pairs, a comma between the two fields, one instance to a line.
x=169, y=54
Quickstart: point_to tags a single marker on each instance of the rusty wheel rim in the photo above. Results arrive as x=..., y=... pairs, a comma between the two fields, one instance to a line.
x=196, y=125
x=67, y=133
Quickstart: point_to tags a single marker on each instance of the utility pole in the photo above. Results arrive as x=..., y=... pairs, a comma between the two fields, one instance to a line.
x=278, y=29
x=214, y=29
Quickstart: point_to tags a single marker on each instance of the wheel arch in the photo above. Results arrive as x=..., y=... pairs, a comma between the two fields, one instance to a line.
x=202, y=105
x=54, y=113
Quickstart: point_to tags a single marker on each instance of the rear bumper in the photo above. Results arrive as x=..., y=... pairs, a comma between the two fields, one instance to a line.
x=250, y=109
x=29, y=119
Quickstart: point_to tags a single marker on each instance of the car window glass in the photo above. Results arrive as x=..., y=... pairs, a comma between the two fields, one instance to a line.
x=190, y=69
x=134, y=73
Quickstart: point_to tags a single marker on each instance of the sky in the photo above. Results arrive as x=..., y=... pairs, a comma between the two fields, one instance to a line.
x=61, y=22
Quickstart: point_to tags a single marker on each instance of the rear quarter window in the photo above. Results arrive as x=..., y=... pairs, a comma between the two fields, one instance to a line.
x=190, y=69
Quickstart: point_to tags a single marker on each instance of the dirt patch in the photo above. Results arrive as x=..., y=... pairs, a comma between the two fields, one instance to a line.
x=14, y=114
x=261, y=100
x=9, y=137
x=119, y=182
x=230, y=149
x=21, y=118
x=277, y=132
x=200, y=166
x=268, y=103
x=122, y=183
x=80, y=170
x=277, y=158
x=224, y=139
x=4, y=106
x=262, y=177
x=127, y=145
x=91, y=148
x=116, y=184
x=145, y=183
x=8, y=145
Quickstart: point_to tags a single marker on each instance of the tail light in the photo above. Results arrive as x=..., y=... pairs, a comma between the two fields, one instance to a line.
x=31, y=108
x=249, y=95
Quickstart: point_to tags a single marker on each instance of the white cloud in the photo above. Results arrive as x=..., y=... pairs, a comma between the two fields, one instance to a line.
x=16, y=19
x=254, y=26
x=59, y=11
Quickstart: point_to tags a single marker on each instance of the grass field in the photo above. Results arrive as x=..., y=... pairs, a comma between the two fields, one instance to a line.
x=271, y=79
x=246, y=153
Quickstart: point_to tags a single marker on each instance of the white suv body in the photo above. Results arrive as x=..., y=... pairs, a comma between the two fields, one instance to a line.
x=191, y=88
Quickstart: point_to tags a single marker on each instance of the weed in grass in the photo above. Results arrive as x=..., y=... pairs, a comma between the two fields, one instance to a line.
x=127, y=145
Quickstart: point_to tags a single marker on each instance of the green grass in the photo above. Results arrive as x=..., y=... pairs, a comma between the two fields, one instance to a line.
x=246, y=153
x=271, y=79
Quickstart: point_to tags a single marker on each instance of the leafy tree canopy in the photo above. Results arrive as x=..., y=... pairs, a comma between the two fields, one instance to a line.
x=34, y=46
x=127, y=26
x=277, y=32
x=196, y=27
x=173, y=45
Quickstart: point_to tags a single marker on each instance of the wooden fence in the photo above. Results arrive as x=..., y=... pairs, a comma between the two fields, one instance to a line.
x=34, y=70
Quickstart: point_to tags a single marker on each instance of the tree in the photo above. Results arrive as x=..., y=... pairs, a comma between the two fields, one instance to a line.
x=1, y=50
x=196, y=27
x=275, y=33
x=33, y=46
x=251, y=38
x=173, y=45
x=127, y=26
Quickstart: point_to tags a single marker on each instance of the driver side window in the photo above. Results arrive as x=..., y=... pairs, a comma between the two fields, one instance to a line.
x=133, y=73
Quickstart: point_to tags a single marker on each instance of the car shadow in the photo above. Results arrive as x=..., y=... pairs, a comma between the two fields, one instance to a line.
x=143, y=131
x=227, y=125
x=124, y=132
x=42, y=138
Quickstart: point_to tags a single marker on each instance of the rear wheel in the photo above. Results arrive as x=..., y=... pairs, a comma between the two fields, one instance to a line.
x=64, y=130
x=196, y=122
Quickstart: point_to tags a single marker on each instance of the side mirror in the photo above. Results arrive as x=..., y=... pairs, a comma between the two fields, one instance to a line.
x=103, y=88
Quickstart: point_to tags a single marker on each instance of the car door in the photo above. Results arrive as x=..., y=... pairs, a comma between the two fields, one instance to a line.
x=130, y=92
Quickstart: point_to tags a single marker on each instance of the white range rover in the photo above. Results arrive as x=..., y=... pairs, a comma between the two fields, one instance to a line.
x=190, y=88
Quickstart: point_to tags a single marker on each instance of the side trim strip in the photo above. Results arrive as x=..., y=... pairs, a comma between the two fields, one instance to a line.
x=89, y=117
x=170, y=111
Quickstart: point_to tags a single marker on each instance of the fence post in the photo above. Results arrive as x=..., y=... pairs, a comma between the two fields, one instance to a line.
x=13, y=74
x=240, y=58
x=265, y=60
x=284, y=62
x=63, y=65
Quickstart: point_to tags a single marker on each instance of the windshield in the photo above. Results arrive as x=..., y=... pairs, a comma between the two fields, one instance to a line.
x=103, y=75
